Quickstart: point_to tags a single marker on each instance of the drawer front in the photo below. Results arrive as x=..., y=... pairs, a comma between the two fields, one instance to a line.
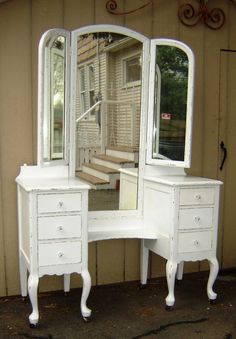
x=194, y=241
x=68, y=226
x=55, y=203
x=60, y=253
x=196, y=196
x=194, y=218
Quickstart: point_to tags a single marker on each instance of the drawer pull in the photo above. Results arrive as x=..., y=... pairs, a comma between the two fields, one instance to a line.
x=60, y=228
x=197, y=219
x=198, y=197
x=196, y=242
x=60, y=254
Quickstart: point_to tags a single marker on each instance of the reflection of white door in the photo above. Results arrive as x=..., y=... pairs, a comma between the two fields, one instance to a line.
x=227, y=134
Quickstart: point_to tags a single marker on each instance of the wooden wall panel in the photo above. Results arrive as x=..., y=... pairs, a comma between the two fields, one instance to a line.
x=214, y=42
x=78, y=13
x=103, y=17
x=22, y=22
x=132, y=21
x=110, y=261
x=165, y=20
x=16, y=122
x=44, y=15
x=3, y=289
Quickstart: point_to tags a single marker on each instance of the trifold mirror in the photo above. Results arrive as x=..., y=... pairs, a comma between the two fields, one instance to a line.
x=95, y=89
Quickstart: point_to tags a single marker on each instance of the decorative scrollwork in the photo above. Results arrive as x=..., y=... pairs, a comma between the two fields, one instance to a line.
x=189, y=16
x=111, y=7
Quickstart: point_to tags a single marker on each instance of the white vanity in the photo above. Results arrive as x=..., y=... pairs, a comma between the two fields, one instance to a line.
x=114, y=137
x=53, y=236
x=183, y=210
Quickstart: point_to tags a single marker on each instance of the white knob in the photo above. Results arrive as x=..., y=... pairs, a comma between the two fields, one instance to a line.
x=198, y=196
x=196, y=242
x=60, y=228
x=60, y=254
x=197, y=219
x=60, y=203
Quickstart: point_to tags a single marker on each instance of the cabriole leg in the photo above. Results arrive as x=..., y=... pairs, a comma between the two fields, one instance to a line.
x=144, y=254
x=33, y=294
x=171, y=268
x=23, y=277
x=214, y=269
x=86, y=312
x=66, y=279
x=180, y=270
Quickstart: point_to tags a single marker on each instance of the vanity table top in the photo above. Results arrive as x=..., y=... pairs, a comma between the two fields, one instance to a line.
x=38, y=184
x=182, y=180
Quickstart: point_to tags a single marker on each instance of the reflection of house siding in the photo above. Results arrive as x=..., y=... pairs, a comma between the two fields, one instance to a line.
x=108, y=73
x=88, y=134
x=123, y=119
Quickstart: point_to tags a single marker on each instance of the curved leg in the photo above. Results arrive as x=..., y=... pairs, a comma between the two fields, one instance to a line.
x=180, y=269
x=144, y=254
x=66, y=283
x=23, y=277
x=171, y=268
x=86, y=312
x=33, y=294
x=214, y=269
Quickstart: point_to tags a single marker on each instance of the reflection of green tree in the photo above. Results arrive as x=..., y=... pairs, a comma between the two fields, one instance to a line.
x=173, y=64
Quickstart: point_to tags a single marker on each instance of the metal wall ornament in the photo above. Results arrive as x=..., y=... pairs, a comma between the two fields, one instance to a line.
x=111, y=7
x=212, y=18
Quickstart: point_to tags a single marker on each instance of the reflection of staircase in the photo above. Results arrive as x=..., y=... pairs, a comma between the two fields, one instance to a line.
x=102, y=172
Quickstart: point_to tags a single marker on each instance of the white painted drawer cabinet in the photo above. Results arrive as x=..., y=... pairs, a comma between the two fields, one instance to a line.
x=183, y=211
x=52, y=218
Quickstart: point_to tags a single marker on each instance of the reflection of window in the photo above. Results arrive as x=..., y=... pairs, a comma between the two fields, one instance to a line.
x=132, y=70
x=91, y=86
x=82, y=89
x=87, y=90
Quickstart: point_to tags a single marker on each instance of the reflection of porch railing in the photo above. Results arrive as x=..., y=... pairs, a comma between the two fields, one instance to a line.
x=116, y=125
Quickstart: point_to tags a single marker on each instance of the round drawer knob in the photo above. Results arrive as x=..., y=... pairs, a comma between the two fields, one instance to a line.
x=196, y=242
x=60, y=228
x=60, y=204
x=198, y=197
x=60, y=254
x=197, y=219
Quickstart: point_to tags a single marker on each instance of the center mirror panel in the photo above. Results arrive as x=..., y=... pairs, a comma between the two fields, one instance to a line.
x=108, y=111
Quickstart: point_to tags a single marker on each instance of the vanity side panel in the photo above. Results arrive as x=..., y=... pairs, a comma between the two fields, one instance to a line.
x=24, y=224
x=157, y=207
x=157, y=216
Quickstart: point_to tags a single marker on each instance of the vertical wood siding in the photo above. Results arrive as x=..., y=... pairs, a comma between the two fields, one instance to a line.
x=22, y=23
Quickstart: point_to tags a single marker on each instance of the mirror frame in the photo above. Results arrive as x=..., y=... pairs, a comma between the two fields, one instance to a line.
x=144, y=103
x=45, y=42
x=189, y=107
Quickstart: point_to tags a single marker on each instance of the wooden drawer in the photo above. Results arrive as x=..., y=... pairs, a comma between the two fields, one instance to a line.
x=68, y=226
x=55, y=203
x=196, y=196
x=58, y=253
x=194, y=241
x=194, y=218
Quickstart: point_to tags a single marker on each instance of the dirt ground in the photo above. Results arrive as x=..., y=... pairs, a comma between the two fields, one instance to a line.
x=126, y=311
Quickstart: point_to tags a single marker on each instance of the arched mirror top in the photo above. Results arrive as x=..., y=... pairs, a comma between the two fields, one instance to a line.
x=170, y=104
